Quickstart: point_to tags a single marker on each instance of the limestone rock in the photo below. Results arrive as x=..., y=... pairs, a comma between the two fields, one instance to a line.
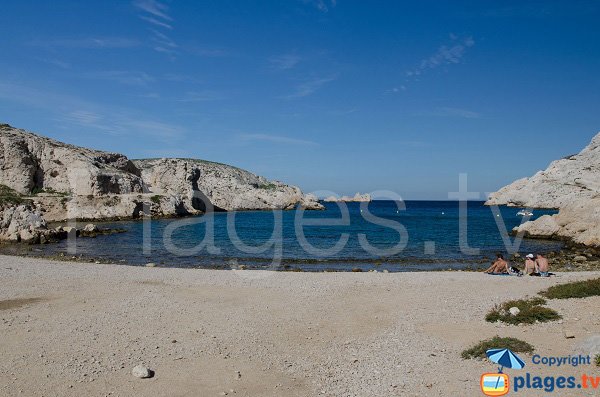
x=565, y=181
x=140, y=371
x=77, y=183
x=205, y=186
x=573, y=186
x=357, y=198
x=514, y=310
x=90, y=228
x=29, y=161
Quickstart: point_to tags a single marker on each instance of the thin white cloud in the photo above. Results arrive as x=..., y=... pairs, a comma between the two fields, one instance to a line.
x=89, y=42
x=211, y=52
x=57, y=62
x=310, y=87
x=156, y=22
x=456, y=112
x=158, y=129
x=395, y=90
x=445, y=55
x=72, y=111
x=201, y=96
x=321, y=5
x=285, y=61
x=83, y=117
x=153, y=7
x=121, y=76
x=276, y=139
x=156, y=14
x=452, y=112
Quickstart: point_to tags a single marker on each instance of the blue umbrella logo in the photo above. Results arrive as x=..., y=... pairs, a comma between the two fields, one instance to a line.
x=505, y=358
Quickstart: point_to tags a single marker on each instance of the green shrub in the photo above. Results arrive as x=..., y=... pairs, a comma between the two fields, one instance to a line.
x=478, y=351
x=597, y=360
x=267, y=186
x=37, y=190
x=578, y=289
x=156, y=198
x=10, y=196
x=530, y=311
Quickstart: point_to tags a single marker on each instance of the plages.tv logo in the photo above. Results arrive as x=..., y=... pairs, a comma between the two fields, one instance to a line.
x=498, y=384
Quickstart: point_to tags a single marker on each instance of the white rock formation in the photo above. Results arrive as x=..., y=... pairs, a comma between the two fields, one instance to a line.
x=24, y=223
x=347, y=199
x=578, y=221
x=570, y=179
x=29, y=162
x=573, y=186
x=225, y=187
x=88, y=184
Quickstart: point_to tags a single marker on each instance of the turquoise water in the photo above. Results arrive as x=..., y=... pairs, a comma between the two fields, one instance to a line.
x=432, y=239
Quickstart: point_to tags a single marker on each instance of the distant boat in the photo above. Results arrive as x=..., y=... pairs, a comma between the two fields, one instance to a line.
x=525, y=213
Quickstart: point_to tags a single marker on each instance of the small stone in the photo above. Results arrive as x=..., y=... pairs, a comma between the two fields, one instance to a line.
x=514, y=310
x=580, y=258
x=71, y=231
x=569, y=334
x=238, y=375
x=140, y=371
x=90, y=228
x=150, y=264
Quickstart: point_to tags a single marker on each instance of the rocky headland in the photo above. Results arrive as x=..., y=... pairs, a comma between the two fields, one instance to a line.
x=357, y=198
x=44, y=180
x=571, y=185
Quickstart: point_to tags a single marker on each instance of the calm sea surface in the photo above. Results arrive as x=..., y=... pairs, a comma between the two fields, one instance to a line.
x=429, y=233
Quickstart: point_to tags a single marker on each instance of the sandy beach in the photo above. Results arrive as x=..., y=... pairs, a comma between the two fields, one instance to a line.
x=73, y=329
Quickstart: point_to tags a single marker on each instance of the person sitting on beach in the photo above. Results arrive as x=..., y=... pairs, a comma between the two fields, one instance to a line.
x=500, y=266
x=530, y=265
x=542, y=265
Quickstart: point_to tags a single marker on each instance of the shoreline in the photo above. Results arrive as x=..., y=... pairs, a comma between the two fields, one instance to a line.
x=79, y=330
x=569, y=258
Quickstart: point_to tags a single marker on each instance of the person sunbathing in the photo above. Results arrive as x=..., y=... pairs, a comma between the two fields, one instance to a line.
x=530, y=265
x=542, y=265
x=500, y=266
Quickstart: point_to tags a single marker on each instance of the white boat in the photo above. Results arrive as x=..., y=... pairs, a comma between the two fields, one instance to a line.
x=525, y=213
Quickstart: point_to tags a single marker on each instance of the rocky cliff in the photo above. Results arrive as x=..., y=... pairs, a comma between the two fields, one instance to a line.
x=572, y=185
x=222, y=186
x=357, y=198
x=570, y=179
x=64, y=181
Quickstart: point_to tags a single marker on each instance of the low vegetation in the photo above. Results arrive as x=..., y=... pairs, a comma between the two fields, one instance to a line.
x=156, y=198
x=530, y=311
x=267, y=186
x=37, y=190
x=597, y=360
x=578, y=289
x=514, y=344
x=10, y=196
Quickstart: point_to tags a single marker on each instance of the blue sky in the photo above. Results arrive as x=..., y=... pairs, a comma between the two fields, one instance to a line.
x=329, y=95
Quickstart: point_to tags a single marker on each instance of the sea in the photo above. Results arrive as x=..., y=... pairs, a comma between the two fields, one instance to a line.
x=379, y=235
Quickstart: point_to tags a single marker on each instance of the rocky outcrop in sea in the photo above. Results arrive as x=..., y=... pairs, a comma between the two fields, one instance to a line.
x=572, y=185
x=61, y=181
x=357, y=198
